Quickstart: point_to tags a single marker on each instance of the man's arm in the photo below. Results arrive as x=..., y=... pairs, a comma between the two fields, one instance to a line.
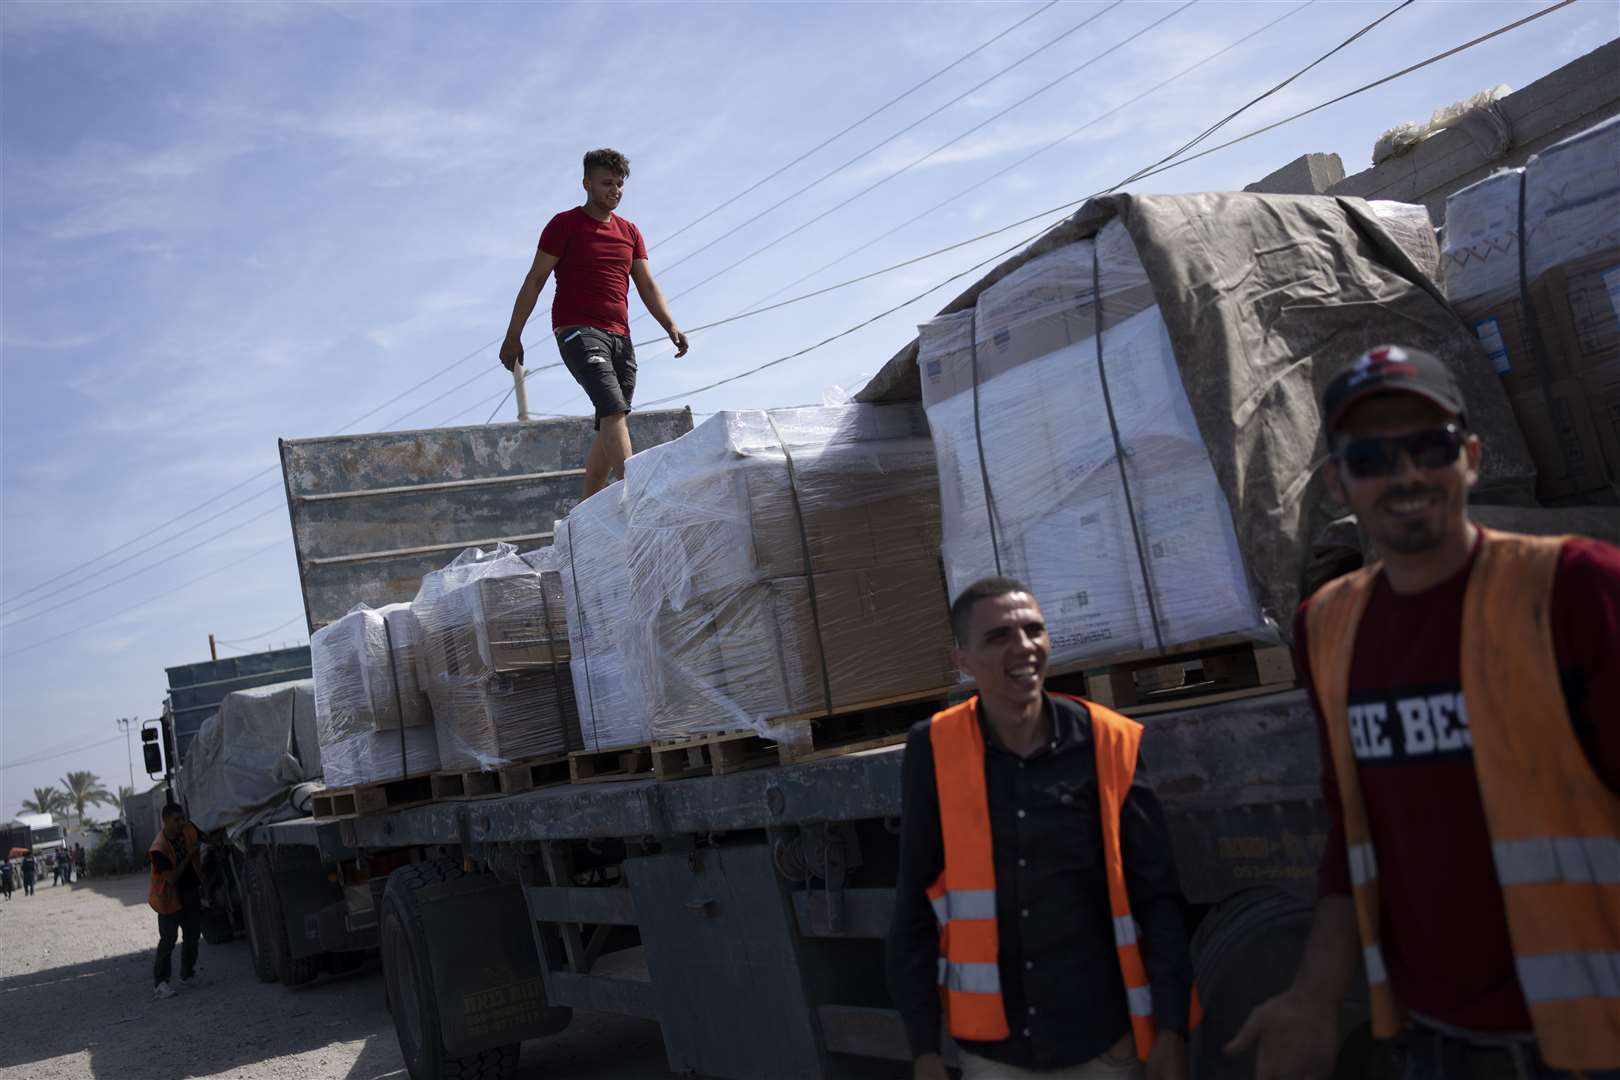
x=653, y=297
x=527, y=297
x=912, y=952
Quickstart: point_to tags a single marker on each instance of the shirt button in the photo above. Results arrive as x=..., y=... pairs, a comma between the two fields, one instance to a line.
x=1020, y=813
x=1032, y=1010
x=1026, y=1033
x=1029, y=965
x=1024, y=914
x=1023, y=862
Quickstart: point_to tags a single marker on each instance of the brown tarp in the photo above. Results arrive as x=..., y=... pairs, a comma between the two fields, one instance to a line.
x=1265, y=298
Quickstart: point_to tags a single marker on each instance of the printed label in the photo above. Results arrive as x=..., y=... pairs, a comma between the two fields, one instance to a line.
x=1489, y=333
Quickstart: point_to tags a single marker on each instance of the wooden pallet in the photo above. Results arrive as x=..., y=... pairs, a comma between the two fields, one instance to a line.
x=868, y=725
x=535, y=773
x=364, y=799
x=712, y=755
x=1197, y=673
x=602, y=766
x=464, y=784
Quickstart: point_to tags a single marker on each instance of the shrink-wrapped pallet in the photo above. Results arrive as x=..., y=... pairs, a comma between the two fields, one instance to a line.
x=362, y=693
x=248, y=755
x=1548, y=236
x=495, y=660
x=589, y=556
x=784, y=564
x=1101, y=498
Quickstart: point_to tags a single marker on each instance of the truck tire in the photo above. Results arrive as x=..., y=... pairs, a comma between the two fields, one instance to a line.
x=258, y=933
x=292, y=971
x=1245, y=951
x=216, y=918
x=410, y=989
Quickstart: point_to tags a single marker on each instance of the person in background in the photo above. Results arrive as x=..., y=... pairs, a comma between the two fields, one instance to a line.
x=6, y=872
x=78, y=860
x=175, y=893
x=1467, y=688
x=30, y=871
x=1038, y=913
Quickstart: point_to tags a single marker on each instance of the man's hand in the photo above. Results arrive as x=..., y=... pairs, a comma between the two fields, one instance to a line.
x=929, y=1067
x=511, y=352
x=1168, y=1061
x=1298, y=1036
x=677, y=337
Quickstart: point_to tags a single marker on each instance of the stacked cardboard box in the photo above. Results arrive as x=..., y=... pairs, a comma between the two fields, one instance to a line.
x=372, y=719
x=1549, y=235
x=783, y=564
x=495, y=660
x=588, y=555
x=1015, y=397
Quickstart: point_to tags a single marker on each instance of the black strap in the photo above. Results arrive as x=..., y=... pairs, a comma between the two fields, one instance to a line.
x=978, y=436
x=399, y=708
x=551, y=653
x=809, y=565
x=584, y=653
x=1119, y=445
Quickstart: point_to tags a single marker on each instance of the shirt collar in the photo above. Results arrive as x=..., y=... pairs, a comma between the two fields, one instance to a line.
x=1068, y=720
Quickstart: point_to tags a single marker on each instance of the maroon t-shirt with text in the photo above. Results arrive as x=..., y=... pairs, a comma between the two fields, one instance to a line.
x=593, y=269
x=1443, y=928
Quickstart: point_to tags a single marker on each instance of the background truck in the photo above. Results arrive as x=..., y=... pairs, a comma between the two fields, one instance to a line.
x=742, y=908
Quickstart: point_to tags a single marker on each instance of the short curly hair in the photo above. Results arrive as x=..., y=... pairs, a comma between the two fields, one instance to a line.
x=608, y=160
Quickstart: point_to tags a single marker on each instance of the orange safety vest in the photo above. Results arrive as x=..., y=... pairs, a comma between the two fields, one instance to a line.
x=964, y=895
x=1555, y=827
x=164, y=896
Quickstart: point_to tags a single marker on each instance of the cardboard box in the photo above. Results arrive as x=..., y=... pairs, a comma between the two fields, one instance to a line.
x=1600, y=387
x=1578, y=304
x=1559, y=429
x=520, y=621
x=506, y=718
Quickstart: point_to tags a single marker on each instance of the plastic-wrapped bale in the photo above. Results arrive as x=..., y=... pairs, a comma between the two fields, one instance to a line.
x=358, y=705
x=1560, y=362
x=496, y=661
x=246, y=756
x=784, y=564
x=589, y=554
x=1121, y=551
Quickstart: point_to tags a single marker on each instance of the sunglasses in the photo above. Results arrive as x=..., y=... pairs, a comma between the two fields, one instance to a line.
x=1372, y=456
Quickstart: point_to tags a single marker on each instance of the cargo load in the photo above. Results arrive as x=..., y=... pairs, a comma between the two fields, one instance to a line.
x=1532, y=261
x=784, y=564
x=588, y=554
x=372, y=719
x=248, y=756
x=494, y=659
x=1223, y=317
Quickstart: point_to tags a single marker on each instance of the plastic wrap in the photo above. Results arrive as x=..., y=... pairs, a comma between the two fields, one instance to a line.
x=589, y=555
x=784, y=564
x=362, y=692
x=1123, y=554
x=247, y=756
x=495, y=659
x=1413, y=229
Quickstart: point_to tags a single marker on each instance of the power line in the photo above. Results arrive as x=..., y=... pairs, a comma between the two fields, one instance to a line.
x=35, y=760
x=878, y=146
x=137, y=573
x=755, y=186
x=248, y=639
x=149, y=600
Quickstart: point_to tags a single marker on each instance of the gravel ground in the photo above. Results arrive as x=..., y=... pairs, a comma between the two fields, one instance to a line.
x=76, y=998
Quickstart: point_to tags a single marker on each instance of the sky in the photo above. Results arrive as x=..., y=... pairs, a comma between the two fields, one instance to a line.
x=221, y=225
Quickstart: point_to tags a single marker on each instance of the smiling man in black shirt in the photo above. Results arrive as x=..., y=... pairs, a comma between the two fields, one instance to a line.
x=1038, y=915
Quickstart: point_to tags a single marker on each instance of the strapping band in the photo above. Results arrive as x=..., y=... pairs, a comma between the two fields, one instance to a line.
x=978, y=436
x=809, y=567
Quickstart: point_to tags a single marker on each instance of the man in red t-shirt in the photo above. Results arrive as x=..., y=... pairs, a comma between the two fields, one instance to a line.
x=596, y=255
x=1404, y=460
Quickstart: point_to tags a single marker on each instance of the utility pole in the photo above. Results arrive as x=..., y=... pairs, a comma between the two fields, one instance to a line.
x=124, y=725
x=213, y=653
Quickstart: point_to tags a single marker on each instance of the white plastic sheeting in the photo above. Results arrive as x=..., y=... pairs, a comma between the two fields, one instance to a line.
x=364, y=689
x=247, y=756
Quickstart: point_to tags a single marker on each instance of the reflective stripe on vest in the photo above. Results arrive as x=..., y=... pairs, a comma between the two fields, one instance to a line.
x=1554, y=826
x=964, y=898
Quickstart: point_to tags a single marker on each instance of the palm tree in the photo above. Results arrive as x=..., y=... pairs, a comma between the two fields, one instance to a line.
x=82, y=789
x=46, y=800
x=125, y=793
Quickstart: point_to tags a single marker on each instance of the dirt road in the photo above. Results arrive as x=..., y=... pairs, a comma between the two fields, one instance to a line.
x=76, y=998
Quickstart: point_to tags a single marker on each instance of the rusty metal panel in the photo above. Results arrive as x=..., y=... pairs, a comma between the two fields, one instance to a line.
x=373, y=513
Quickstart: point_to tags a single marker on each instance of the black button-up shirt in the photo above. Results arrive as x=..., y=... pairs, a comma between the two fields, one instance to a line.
x=1060, y=977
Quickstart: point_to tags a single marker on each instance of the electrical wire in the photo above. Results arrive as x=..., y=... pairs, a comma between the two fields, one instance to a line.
x=38, y=758
x=757, y=184
x=248, y=639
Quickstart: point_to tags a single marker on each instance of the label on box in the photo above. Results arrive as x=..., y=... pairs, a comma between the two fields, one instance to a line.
x=1611, y=282
x=1490, y=336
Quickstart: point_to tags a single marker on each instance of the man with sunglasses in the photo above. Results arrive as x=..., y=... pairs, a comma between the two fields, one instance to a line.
x=1468, y=693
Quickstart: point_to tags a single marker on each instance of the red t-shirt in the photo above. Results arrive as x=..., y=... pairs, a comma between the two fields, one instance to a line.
x=1443, y=928
x=593, y=269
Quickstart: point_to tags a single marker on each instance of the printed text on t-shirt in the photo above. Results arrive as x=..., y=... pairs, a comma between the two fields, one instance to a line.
x=1408, y=727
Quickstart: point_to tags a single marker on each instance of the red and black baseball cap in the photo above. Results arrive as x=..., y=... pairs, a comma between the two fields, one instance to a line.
x=1390, y=369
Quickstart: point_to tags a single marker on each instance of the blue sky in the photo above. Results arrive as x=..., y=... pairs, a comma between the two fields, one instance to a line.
x=224, y=224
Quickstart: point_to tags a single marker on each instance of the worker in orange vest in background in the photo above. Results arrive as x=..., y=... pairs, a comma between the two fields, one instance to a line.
x=1038, y=907
x=175, y=893
x=1468, y=688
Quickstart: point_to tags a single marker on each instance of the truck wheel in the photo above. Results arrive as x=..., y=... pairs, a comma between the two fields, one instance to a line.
x=1245, y=951
x=410, y=989
x=258, y=933
x=216, y=919
x=290, y=970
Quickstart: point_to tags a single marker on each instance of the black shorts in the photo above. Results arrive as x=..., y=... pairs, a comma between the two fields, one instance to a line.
x=604, y=365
